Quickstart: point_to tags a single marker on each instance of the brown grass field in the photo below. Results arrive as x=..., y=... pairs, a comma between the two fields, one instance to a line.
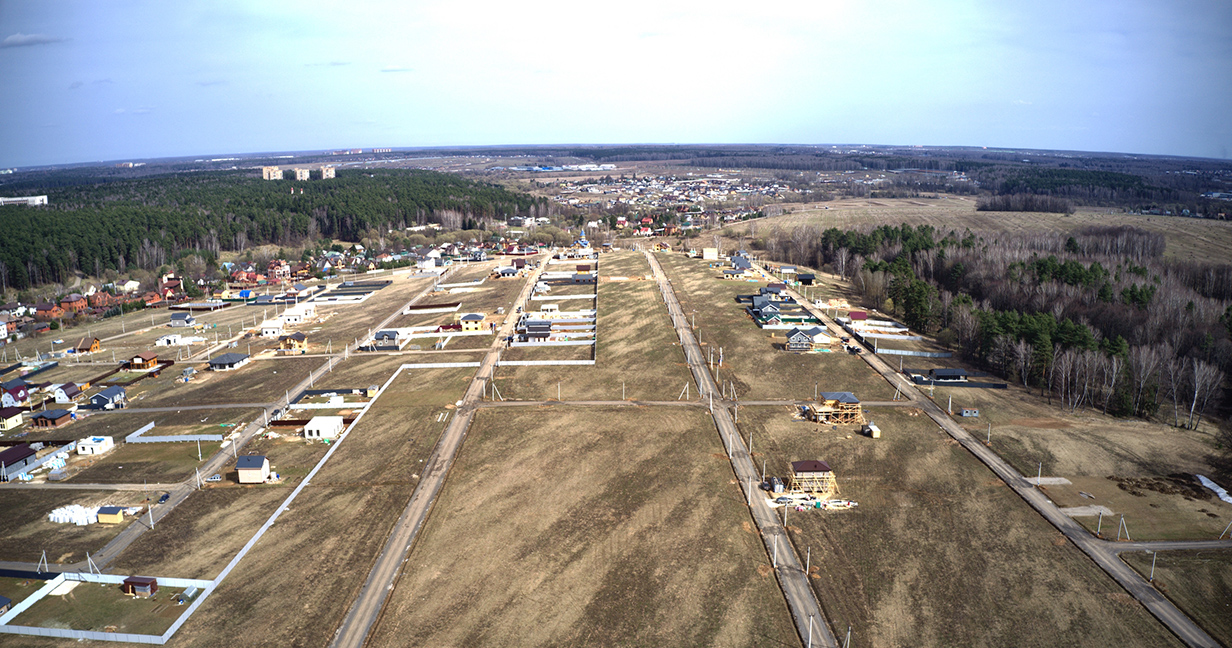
x=1188, y=238
x=25, y=530
x=256, y=382
x=133, y=463
x=588, y=527
x=940, y=552
x=751, y=357
x=1198, y=582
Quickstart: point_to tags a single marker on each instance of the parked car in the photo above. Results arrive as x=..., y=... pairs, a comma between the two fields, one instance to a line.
x=164, y=498
x=214, y=478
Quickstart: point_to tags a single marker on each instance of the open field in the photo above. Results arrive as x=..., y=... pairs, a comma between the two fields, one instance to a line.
x=751, y=356
x=1188, y=238
x=636, y=346
x=119, y=424
x=1198, y=582
x=1027, y=431
x=25, y=530
x=132, y=463
x=91, y=606
x=200, y=535
x=940, y=551
x=256, y=382
x=1165, y=513
x=603, y=527
x=623, y=263
x=331, y=534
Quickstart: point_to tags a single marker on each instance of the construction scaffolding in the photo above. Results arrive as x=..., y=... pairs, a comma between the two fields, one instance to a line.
x=838, y=408
x=813, y=477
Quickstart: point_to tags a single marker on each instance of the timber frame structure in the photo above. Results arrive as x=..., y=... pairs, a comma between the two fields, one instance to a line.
x=813, y=477
x=839, y=408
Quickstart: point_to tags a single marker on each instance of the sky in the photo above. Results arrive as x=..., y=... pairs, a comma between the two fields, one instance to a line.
x=122, y=80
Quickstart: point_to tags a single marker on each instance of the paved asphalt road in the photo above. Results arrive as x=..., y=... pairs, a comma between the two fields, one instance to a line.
x=1098, y=550
x=367, y=608
x=803, y=603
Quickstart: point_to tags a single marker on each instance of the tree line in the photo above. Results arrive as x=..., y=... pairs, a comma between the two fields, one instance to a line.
x=144, y=223
x=1098, y=319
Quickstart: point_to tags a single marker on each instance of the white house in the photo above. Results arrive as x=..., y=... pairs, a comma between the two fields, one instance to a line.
x=272, y=328
x=130, y=286
x=323, y=427
x=173, y=339
x=67, y=393
x=95, y=445
x=182, y=320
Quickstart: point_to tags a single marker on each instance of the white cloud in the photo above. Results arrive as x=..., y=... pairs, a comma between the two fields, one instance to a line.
x=27, y=40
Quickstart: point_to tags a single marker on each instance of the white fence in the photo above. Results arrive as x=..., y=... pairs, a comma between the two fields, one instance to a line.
x=441, y=365
x=203, y=585
x=137, y=437
x=543, y=363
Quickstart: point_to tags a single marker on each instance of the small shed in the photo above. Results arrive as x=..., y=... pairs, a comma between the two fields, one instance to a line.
x=95, y=445
x=806, y=278
x=252, y=469
x=6, y=604
x=110, y=515
x=139, y=586
x=323, y=427
x=372, y=391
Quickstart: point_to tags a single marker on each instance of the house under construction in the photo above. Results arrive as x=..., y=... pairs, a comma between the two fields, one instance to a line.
x=813, y=477
x=838, y=408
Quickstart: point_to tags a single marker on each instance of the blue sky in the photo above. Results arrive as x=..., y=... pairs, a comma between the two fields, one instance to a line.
x=90, y=81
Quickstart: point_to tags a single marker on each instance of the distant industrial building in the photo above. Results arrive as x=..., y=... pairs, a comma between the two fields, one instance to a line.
x=381, y=150
x=32, y=201
x=301, y=173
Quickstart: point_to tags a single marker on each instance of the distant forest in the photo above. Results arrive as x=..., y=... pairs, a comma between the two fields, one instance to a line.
x=144, y=223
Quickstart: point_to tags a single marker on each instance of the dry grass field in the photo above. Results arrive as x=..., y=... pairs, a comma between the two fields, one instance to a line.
x=133, y=463
x=260, y=381
x=751, y=357
x=588, y=527
x=939, y=551
x=1154, y=508
x=1026, y=430
x=1188, y=238
x=1198, y=582
x=25, y=531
